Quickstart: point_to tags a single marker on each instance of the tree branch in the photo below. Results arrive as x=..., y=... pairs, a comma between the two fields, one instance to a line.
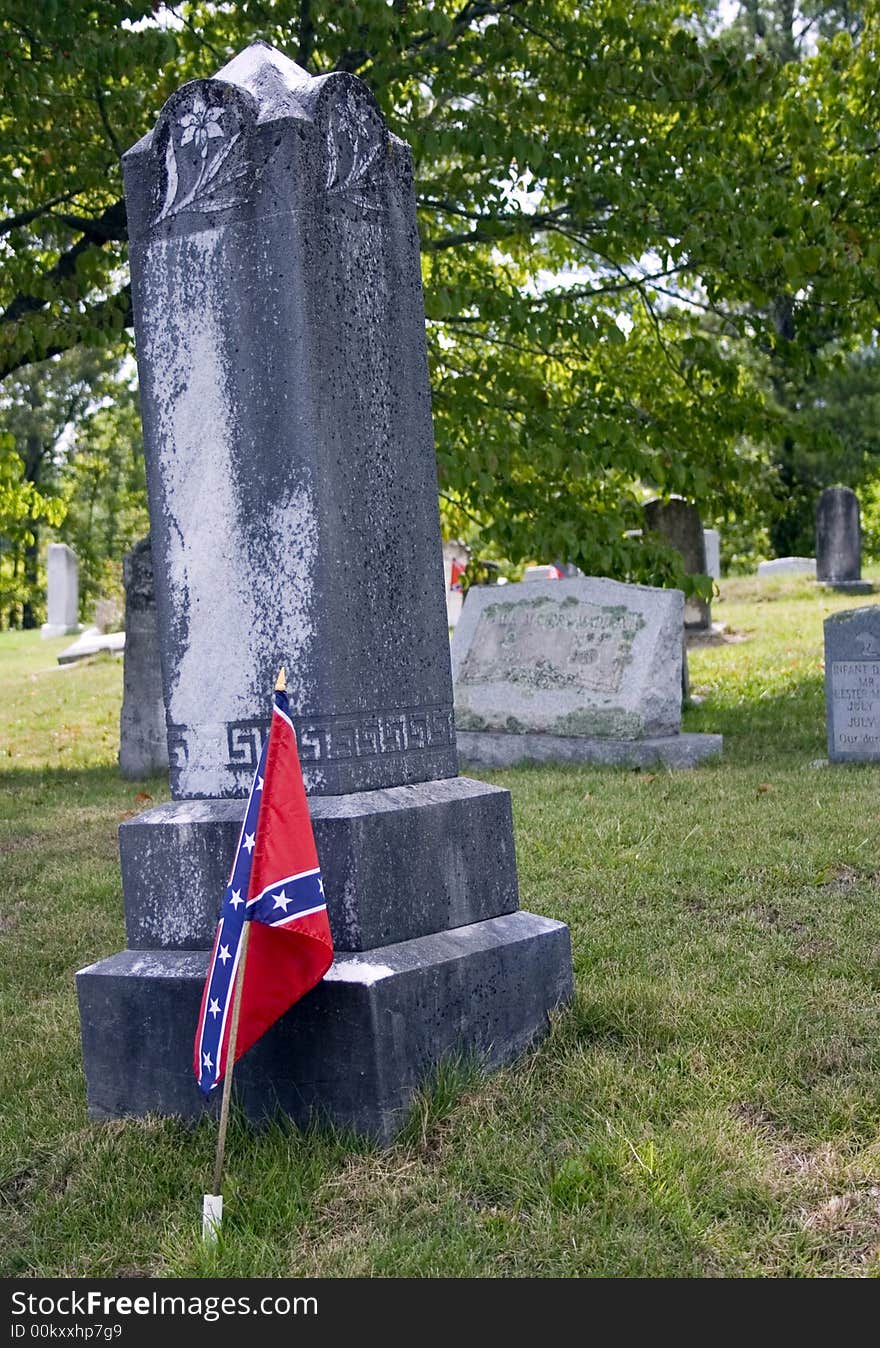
x=105, y=121
x=69, y=336
x=306, y=33
x=25, y=217
x=107, y=227
x=518, y=224
x=429, y=42
x=111, y=226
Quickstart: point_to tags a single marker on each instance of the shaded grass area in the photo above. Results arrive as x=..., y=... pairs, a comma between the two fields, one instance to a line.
x=709, y=1106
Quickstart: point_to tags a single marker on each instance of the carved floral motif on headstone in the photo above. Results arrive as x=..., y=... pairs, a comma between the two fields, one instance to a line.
x=355, y=139
x=205, y=161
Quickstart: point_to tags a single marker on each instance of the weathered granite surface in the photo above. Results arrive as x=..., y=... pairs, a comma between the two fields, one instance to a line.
x=62, y=578
x=287, y=431
x=852, y=684
x=404, y=862
x=678, y=522
x=588, y=657
x=353, y=1050
x=143, y=743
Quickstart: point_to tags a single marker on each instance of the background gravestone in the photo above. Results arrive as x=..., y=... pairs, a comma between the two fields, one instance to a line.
x=62, y=575
x=586, y=670
x=454, y=552
x=852, y=685
x=839, y=540
x=547, y=571
x=678, y=522
x=143, y=744
x=291, y=476
x=712, y=540
x=787, y=566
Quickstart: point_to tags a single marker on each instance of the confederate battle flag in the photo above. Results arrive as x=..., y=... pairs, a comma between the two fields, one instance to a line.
x=276, y=886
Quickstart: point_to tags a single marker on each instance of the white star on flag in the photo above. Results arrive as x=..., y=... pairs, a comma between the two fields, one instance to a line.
x=208, y=1063
x=281, y=900
x=236, y=898
x=259, y=785
x=224, y=954
x=321, y=886
x=249, y=841
x=214, y=1008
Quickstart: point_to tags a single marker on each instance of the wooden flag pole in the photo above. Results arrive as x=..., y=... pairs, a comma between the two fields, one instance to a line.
x=212, y=1206
x=212, y=1203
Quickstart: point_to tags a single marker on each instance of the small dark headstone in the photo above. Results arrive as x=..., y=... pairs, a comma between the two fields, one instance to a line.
x=839, y=540
x=143, y=745
x=678, y=522
x=852, y=684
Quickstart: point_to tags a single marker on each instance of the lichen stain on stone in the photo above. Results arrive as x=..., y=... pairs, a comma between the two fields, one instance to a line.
x=466, y=719
x=230, y=584
x=186, y=357
x=281, y=584
x=537, y=646
x=358, y=971
x=600, y=723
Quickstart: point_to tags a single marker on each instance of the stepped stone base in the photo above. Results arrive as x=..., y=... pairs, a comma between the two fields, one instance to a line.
x=496, y=750
x=353, y=1050
x=847, y=586
x=51, y=630
x=397, y=864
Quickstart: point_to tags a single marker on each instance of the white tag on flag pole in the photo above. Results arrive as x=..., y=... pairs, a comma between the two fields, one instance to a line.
x=212, y=1217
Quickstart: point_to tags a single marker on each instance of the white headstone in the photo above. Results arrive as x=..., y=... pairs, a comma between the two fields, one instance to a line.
x=713, y=553
x=586, y=657
x=541, y=573
x=454, y=551
x=62, y=571
x=788, y=566
x=852, y=685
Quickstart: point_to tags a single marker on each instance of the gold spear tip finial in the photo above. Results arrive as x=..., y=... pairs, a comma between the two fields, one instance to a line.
x=281, y=681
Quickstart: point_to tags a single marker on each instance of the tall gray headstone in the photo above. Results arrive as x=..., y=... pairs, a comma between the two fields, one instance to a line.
x=839, y=540
x=293, y=502
x=852, y=685
x=678, y=522
x=62, y=576
x=279, y=324
x=143, y=745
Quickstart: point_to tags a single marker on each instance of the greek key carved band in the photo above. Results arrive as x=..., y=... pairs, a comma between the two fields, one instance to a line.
x=178, y=749
x=335, y=738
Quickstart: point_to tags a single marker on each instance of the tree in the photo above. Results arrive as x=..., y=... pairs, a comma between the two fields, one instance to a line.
x=55, y=418
x=824, y=397
x=103, y=485
x=627, y=212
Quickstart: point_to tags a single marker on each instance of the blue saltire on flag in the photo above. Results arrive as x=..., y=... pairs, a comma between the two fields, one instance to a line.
x=276, y=884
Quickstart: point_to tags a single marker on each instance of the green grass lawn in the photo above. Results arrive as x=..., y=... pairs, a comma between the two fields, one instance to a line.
x=708, y=1106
